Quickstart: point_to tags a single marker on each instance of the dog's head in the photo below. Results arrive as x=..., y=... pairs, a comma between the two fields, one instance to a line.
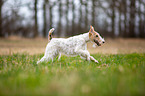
x=95, y=37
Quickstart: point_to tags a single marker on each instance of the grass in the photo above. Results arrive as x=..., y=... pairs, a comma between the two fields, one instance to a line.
x=120, y=74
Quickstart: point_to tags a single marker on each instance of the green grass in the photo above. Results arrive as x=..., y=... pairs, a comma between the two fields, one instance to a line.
x=121, y=74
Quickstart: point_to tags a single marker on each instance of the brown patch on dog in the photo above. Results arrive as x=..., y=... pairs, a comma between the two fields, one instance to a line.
x=50, y=34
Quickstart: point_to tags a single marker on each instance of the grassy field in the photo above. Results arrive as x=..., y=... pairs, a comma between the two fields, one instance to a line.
x=118, y=74
x=121, y=69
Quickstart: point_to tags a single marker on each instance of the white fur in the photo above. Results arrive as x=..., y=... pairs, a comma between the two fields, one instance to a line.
x=72, y=46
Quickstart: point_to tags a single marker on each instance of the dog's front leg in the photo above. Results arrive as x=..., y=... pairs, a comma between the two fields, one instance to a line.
x=83, y=53
x=93, y=59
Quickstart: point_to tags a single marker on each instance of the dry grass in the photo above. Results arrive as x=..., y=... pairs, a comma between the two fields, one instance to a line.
x=120, y=46
x=37, y=46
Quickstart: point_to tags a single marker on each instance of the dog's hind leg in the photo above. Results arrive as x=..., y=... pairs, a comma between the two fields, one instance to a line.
x=42, y=59
x=46, y=59
x=59, y=56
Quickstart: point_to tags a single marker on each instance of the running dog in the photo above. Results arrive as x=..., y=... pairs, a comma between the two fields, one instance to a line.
x=72, y=46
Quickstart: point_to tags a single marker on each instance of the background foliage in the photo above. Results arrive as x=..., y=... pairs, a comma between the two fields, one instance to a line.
x=121, y=18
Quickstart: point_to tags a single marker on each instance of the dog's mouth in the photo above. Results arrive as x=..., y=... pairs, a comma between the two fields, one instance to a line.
x=97, y=42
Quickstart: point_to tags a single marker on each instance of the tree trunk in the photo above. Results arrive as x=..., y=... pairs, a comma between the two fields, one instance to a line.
x=50, y=16
x=59, y=22
x=66, y=16
x=86, y=15
x=35, y=17
x=44, y=18
x=144, y=20
x=50, y=6
x=73, y=18
x=120, y=9
x=125, y=19
x=1, y=31
x=120, y=29
x=113, y=17
x=80, y=16
x=93, y=13
x=141, y=25
x=132, y=19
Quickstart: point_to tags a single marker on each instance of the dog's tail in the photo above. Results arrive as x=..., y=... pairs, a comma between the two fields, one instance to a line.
x=50, y=34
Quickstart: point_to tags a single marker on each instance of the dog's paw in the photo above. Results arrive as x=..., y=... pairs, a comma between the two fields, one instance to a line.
x=96, y=61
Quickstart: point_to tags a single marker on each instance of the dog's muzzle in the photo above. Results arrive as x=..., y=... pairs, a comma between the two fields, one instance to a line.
x=97, y=42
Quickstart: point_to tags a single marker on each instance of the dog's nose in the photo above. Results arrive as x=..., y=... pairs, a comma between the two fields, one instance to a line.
x=103, y=42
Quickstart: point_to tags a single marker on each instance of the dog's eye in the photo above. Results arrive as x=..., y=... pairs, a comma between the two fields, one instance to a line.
x=96, y=35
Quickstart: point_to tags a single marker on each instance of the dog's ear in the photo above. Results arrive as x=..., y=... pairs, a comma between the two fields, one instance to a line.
x=90, y=31
x=90, y=34
x=92, y=28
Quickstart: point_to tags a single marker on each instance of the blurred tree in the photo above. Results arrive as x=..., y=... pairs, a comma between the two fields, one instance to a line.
x=80, y=16
x=86, y=15
x=141, y=24
x=93, y=12
x=66, y=17
x=60, y=17
x=1, y=31
x=44, y=18
x=132, y=19
x=73, y=18
x=50, y=6
x=144, y=17
x=120, y=6
x=125, y=16
x=112, y=6
x=36, y=19
x=124, y=6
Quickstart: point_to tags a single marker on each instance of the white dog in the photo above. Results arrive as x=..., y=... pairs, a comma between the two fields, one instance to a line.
x=76, y=45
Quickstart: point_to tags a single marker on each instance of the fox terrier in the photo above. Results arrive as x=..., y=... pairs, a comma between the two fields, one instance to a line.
x=72, y=46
